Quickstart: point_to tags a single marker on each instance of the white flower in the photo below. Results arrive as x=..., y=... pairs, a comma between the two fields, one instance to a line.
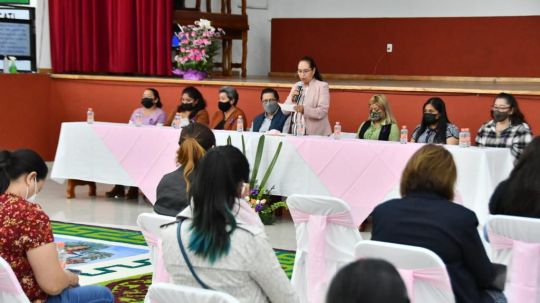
x=204, y=24
x=12, y=58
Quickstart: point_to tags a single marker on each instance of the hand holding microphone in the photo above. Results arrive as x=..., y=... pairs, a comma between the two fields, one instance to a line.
x=297, y=94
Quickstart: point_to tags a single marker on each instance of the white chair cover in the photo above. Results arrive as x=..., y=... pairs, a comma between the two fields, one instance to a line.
x=170, y=293
x=515, y=242
x=423, y=272
x=10, y=289
x=325, y=223
x=150, y=227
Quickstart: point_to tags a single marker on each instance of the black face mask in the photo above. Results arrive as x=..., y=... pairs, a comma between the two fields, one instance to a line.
x=499, y=116
x=429, y=119
x=147, y=102
x=187, y=107
x=224, y=106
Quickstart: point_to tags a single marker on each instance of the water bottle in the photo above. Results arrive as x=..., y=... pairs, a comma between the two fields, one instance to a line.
x=300, y=128
x=468, y=137
x=176, y=121
x=62, y=254
x=337, y=130
x=240, y=124
x=462, y=138
x=138, y=119
x=404, y=135
x=90, y=116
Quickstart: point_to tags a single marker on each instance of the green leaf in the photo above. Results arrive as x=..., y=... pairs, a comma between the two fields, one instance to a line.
x=229, y=141
x=269, y=170
x=243, y=146
x=257, y=163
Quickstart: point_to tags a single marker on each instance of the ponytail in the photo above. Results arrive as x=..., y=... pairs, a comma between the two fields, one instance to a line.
x=189, y=153
x=20, y=162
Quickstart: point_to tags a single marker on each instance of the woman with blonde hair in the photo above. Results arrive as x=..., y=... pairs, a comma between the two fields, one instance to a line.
x=381, y=123
x=172, y=190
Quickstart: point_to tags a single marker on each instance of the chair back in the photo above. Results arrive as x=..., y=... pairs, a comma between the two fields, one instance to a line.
x=10, y=289
x=168, y=293
x=325, y=239
x=515, y=242
x=423, y=272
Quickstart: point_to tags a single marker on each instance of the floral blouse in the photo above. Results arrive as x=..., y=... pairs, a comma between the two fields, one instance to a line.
x=23, y=226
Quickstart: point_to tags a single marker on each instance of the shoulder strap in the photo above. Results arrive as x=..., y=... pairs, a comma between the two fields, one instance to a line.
x=186, y=259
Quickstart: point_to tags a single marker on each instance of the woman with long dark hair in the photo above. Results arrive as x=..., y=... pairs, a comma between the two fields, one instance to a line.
x=192, y=107
x=311, y=99
x=435, y=126
x=26, y=238
x=519, y=195
x=210, y=248
x=507, y=128
x=172, y=197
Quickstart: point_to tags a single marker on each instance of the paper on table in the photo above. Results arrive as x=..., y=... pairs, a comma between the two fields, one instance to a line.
x=287, y=107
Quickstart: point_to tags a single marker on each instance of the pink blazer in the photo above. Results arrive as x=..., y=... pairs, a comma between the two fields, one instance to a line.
x=316, y=105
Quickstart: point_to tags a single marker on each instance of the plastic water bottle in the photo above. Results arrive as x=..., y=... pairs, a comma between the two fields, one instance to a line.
x=62, y=254
x=138, y=119
x=468, y=137
x=462, y=138
x=404, y=135
x=240, y=124
x=90, y=116
x=300, y=128
x=337, y=130
x=176, y=121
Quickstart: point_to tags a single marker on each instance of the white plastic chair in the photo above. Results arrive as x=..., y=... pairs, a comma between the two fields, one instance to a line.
x=423, y=272
x=10, y=289
x=325, y=240
x=171, y=293
x=150, y=226
x=515, y=242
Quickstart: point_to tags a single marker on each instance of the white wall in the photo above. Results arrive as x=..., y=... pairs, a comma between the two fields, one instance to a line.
x=259, y=18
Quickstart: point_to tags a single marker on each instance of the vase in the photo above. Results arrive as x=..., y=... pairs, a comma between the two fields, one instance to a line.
x=267, y=218
x=193, y=74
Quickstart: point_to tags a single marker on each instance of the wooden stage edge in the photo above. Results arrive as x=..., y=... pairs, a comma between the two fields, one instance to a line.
x=405, y=84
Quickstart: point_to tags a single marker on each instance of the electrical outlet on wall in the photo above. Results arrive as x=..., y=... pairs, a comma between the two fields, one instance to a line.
x=389, y=47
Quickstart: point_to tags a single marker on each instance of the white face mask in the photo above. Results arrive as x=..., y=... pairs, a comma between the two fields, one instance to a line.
x=34, y=196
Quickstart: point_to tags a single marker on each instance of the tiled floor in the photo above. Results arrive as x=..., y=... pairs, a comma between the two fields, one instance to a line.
x=122, y=213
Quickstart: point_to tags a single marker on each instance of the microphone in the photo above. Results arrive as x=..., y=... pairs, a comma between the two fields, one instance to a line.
x=299, y=87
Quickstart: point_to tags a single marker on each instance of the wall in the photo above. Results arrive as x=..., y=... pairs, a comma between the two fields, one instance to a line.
x=473, y=46
x=33, y=116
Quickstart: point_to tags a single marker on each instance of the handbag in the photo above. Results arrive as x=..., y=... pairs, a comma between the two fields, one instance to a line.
x=186, y=258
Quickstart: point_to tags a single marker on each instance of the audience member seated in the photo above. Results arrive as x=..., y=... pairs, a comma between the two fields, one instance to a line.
x=172, y=197
x=435, y=126
x=272, y=118
x=426, y=217
x=311, y=100
x=149, y=114
x=227, y=116
x=192, y=108
x=519, y=195
x=507, y=127
x=26, y=238
x=367, y=281
x=381, y=123
x=209, y=242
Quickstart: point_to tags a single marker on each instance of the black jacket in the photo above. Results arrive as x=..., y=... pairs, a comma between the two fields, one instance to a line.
x=171, y=194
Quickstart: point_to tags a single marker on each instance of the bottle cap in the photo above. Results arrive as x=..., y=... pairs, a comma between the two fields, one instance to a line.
x=89, y=108
x=61, y=244
x=404, y=126
x=239, y=116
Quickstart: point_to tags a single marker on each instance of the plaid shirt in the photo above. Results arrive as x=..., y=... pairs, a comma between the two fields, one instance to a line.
x=515, y=136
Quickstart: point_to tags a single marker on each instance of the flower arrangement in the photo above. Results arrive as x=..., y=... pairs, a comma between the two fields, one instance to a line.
x=262, y=203
x=196, y=46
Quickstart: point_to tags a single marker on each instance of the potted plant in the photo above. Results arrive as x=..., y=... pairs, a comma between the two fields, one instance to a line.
x=196, y=47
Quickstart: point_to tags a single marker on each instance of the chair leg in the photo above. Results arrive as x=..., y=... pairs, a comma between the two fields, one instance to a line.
x=244, y=53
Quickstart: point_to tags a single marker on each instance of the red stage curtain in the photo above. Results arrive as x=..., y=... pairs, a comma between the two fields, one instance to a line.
x=111, y=36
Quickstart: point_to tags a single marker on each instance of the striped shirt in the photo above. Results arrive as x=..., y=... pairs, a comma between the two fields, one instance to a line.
x=516, y=137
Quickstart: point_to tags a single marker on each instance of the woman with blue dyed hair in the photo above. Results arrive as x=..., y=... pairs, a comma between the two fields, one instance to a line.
x=210, y=245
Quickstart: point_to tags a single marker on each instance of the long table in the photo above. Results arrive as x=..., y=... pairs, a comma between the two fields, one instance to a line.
x=363, y=173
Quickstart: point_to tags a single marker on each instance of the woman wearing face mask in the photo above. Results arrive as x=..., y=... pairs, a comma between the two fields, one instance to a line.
x=381, y=124
x=227, y=116
x=435, y=127
x=272, y=118
x=507, y=127
x=151, y=114
x=311, y=99
x=26, y=238
x=192, y=107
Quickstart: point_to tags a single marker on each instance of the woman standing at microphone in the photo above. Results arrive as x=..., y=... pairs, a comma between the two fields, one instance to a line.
x=311, y=100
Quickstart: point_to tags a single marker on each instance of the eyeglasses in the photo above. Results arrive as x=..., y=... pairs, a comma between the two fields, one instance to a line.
x=268, y=100
x=500, y=108
x=304, y=71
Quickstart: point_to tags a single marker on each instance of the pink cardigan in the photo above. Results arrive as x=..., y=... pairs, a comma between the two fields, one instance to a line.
x=316, y=105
